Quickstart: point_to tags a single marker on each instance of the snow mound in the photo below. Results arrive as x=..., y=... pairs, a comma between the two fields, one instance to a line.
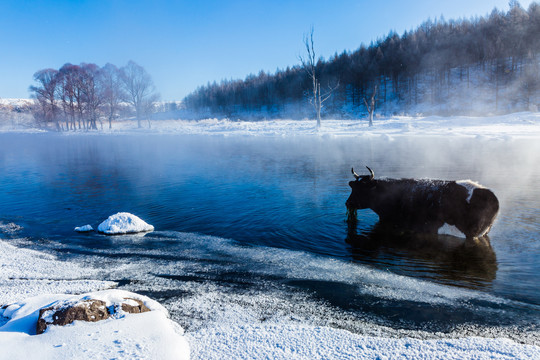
x=124, y=223
x=85, y=228
x=149, y=335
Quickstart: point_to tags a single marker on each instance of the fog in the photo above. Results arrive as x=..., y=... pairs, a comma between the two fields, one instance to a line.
x=259, y=223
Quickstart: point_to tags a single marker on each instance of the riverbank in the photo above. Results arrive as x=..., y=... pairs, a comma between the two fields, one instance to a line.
x=517, y=125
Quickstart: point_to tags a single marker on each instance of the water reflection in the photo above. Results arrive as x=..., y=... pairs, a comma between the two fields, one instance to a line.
x=463, y=262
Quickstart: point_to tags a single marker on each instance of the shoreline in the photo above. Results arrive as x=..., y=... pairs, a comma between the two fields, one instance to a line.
x=502, y=127
x=280, y=340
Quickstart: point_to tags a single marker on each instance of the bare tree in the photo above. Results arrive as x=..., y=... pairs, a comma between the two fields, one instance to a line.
x=46, y=93
x=113, y=92
x=370, y=107
x=68, y=82
x=309, y=64
x=139, y=87
x=149, y=107
x=92, y=92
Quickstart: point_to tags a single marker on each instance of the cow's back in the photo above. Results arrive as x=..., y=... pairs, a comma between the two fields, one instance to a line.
x=410, y=202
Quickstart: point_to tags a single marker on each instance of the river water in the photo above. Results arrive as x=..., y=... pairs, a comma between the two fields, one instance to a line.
x=253, y=228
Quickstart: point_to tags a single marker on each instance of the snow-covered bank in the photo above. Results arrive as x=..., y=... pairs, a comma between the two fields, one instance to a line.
x=501, y=127
x=149, y=335
x=28, y=278
x=237, y=331
x=304, y=342
x=526, y=124
x=26, y=273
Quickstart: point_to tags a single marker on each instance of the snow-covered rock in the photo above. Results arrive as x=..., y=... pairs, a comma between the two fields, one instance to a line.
x=85, y=228
x=124, y=223
x=148, y=335
x=87, y=309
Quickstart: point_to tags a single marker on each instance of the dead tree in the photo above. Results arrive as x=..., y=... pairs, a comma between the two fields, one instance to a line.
x=371, y=106
x=309, y=64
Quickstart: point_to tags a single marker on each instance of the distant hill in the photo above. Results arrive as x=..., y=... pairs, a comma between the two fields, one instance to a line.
x=17, y=105
x=16, y=114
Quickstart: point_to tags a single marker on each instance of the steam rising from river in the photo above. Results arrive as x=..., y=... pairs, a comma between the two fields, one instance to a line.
x=275, y=210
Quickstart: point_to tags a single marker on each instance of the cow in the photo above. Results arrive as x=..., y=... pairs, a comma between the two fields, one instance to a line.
x=425, y=206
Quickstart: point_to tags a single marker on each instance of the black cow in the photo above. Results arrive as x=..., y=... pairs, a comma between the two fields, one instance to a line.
x=425, y=206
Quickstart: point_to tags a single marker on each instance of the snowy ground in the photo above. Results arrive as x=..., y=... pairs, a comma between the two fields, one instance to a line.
x=526, y=124
x=503, y=127
x=27, y=288
x=25, y=274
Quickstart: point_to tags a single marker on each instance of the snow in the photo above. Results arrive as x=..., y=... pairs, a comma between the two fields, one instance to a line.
x=25, y=273
x=470, y=186
x=85, y=228
x=236, y=333
x=27, y=279
x=13, y=102
x=501, y=127
x=28, y=276
x=124, y=336
x=306, y=342
x=124, y=223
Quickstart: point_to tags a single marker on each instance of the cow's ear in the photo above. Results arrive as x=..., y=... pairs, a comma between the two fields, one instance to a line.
x=351, y=183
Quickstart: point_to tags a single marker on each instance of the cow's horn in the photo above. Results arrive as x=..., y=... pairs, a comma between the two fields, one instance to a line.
x=372, y=173
x=356, y=176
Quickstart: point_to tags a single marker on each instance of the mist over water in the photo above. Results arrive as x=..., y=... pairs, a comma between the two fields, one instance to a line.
x=260, y=223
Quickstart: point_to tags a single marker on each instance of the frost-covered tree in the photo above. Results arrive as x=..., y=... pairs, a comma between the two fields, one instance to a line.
x=46, y=95
x=112, y=91
x=139, y=88
x=92, y=90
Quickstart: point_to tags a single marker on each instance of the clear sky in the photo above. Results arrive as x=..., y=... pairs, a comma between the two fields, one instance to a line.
x=184, y=44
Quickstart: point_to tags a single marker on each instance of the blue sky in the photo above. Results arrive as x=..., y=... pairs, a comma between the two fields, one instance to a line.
x=184, y=44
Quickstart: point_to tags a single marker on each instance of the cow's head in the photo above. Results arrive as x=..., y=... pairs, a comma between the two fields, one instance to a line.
x=362, y=191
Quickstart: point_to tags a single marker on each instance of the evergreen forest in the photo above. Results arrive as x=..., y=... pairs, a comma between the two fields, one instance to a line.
x=481, y=65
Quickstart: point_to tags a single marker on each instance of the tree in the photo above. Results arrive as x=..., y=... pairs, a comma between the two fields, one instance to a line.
x=68, y=82
x=370, y=107
x=113, y=92
x=138, y=86
x=148, y=107
x=310, y=66
x=92, y=93
x=46, y=93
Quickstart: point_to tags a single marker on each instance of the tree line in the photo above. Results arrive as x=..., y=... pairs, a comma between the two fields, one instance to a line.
x=78, y=96
x=493, y=59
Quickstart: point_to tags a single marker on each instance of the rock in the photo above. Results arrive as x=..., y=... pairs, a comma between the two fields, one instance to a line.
x=85, y=228
x=100, y=305
x=124, y=223
x=134, y=306
x=66, y=313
